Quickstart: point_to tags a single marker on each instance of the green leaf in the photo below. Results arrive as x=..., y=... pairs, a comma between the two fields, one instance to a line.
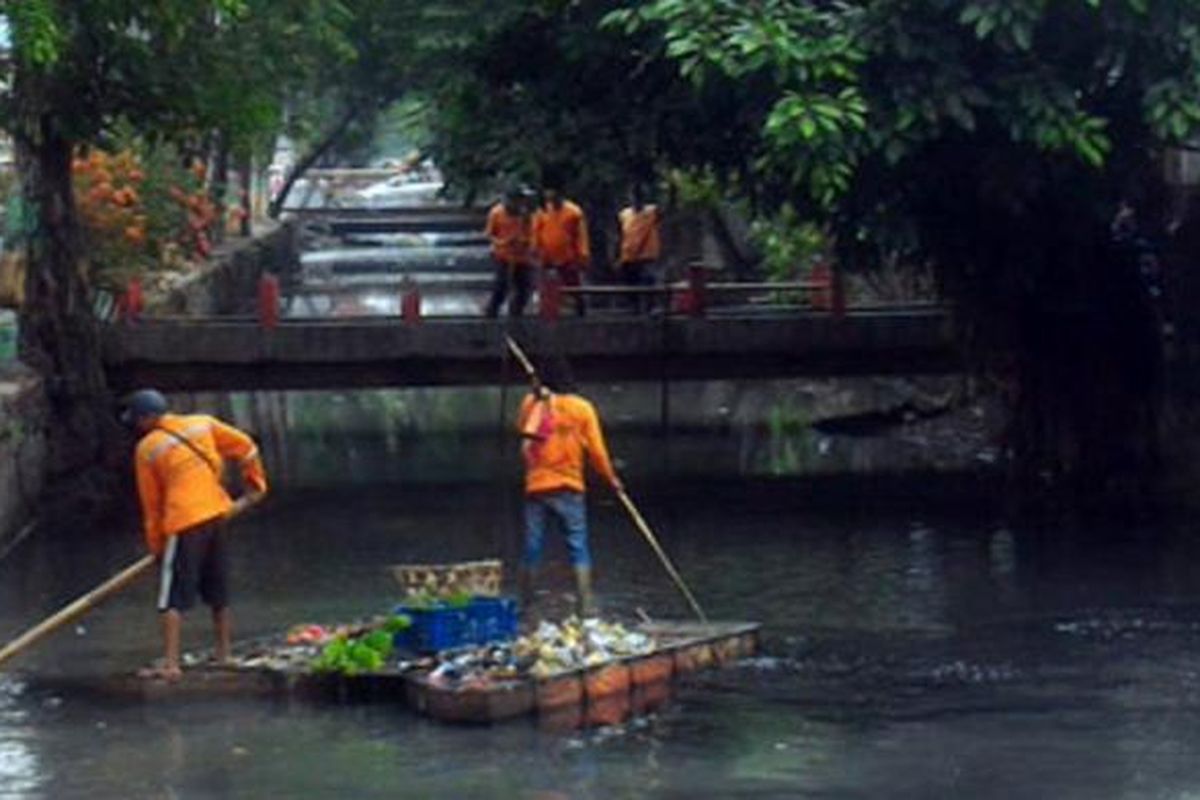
x=808, y=128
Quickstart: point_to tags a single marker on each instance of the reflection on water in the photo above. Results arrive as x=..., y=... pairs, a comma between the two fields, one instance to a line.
x=714, y=430
x=20, y=773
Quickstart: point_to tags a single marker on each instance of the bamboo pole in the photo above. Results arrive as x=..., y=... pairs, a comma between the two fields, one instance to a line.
x=638, y=520
x=640, y=523
x=85, y=603
x=77, y=608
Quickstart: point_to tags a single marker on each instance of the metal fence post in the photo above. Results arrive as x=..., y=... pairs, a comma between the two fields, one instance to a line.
x=410, y=302
x=132, y=302
x=550, y=297
x=697, y=286
x=268, y=301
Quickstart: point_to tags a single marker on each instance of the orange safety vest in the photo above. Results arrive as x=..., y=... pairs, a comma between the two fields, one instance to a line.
x=640, y=239
x=179, y=482
x=559, y=431
x=509, y=234
x=560, y=236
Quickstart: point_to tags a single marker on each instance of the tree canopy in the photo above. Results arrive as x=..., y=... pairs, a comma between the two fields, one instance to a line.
x=991, y=140
x=994, y=141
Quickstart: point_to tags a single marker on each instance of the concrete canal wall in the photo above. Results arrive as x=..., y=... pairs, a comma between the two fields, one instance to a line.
x=230, y=284
x=23, y=420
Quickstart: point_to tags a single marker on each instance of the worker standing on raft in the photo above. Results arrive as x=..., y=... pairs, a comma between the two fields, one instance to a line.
x=179, y=464
x=559, y=428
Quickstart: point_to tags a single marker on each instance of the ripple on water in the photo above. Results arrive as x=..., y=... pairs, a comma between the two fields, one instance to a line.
x=1128, y=624
x=11, y=691
x=20, y=773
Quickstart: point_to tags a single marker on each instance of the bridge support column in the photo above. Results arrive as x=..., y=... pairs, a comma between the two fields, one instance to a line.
x=838, y=292
x=132, y=302
x=822, y=296
x=268, y=301
x=550, y=297
x=698, y=289
x=410, y=303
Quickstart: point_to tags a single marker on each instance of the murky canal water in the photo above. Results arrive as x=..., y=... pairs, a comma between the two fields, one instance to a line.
x=910, y=653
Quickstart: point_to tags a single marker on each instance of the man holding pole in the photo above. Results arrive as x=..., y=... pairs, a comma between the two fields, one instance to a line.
x=559, y=429
x=180, y=462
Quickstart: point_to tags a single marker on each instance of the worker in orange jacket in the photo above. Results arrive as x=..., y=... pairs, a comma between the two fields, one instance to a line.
x=179, y=464
x=641, y=244
x=559, y=430
x=508, y=231
x=560, y=240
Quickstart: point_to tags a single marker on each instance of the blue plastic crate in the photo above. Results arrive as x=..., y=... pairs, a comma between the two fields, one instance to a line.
x=492, y=619
x=439, y=627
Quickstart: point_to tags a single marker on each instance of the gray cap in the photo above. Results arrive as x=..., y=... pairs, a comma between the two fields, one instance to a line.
x=143, y=403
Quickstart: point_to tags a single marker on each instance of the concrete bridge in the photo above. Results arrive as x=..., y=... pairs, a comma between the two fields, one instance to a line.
x=196, y=355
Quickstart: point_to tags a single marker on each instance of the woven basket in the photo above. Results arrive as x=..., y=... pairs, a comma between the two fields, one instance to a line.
x=473, y=577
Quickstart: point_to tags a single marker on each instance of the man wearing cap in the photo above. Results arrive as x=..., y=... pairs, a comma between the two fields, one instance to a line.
x=180, y=462
x=508, y=231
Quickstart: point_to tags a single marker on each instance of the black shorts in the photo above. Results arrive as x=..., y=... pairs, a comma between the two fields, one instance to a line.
x=194, y=563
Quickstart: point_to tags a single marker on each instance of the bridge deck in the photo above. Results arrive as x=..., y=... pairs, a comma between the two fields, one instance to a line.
x=229, y=355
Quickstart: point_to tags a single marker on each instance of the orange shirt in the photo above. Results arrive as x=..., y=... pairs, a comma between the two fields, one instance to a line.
x=639, y=234
x=560, y=236
x=509, y=234
x=178, y=488
x=554, y=452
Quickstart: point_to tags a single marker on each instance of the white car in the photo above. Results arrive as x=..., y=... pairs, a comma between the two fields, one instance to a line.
x=399, y=190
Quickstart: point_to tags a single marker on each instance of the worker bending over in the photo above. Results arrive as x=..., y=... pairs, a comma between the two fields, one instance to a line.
x=559, y=428
x=179, y=464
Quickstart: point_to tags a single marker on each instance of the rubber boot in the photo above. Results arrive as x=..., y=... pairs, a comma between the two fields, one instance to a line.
x=585, y=605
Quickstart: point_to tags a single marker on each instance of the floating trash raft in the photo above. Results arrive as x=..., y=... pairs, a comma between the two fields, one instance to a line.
x=606, y=692
x=486, y=684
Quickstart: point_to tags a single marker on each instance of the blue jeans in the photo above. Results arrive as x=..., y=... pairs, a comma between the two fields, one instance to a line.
x=569, y=509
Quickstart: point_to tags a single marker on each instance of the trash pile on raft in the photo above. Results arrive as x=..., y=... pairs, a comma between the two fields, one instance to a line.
x=363, y=648
x=349, y=649
x=551, y=649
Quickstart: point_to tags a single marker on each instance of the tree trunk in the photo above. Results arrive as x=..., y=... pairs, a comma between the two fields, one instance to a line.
x=246, y=195
x=313, y=155
x=219, y=187
x=58, y=329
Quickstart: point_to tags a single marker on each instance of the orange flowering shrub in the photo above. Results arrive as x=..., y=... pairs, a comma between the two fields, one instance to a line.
x=137, y=215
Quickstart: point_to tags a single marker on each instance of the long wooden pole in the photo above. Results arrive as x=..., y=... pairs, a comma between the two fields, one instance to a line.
x=85, y=603
x=76, y=608
x=638, y=520
x=640, y=523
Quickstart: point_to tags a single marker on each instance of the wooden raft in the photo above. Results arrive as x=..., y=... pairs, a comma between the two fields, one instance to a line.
x=606, y=694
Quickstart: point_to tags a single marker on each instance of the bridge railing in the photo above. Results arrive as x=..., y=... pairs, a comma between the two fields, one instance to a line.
x=698, y=294
x=696, y=298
